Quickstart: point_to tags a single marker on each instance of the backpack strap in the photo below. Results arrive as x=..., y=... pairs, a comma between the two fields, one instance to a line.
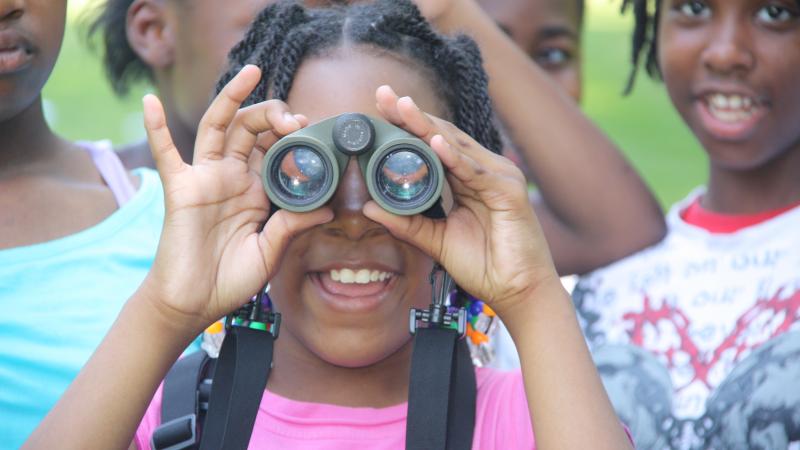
x=442, y=392
x=240, y=378
x=180, y=406
x=463, y=401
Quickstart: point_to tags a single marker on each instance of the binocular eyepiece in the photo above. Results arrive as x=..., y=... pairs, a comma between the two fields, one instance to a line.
x=403, y=175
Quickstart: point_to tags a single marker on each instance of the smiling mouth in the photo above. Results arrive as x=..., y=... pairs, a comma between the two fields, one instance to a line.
x=730, y=116
x=731, y=108
x=353, y=290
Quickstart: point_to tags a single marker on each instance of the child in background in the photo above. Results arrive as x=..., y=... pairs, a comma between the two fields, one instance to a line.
x=341, y=368
x=567, y=155
x=548, y=31
x=698, y=337
x=77, y=231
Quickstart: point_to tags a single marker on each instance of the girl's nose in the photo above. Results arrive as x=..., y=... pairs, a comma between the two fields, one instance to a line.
x=347, y=204
x=729, y=50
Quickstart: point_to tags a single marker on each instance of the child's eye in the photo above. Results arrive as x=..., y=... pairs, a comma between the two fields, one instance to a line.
x=773, y=14
x=552, y=57
x=694, y=9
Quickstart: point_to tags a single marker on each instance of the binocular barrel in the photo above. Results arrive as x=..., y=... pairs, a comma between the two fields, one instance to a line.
x=301, y=172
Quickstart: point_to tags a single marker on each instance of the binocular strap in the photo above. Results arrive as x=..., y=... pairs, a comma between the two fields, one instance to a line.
x=442, y=392
x=244, y=364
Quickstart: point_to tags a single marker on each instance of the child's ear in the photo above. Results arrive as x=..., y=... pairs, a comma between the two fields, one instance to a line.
x=150, y=33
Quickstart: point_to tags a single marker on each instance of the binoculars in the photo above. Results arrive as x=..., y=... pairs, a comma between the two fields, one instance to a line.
x=302, y=170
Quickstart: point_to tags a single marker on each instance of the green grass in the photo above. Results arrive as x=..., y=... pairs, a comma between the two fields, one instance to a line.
x=81, y=106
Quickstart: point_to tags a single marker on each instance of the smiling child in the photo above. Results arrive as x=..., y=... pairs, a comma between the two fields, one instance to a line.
x=698, y=337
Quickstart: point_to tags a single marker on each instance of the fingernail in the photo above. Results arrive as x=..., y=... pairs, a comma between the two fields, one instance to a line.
x=289, y=117
x=412, y=101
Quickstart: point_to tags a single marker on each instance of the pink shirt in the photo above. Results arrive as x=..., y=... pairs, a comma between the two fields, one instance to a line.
x=502, y=421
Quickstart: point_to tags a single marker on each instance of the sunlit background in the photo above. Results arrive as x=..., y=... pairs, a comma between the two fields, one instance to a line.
x=81, y=106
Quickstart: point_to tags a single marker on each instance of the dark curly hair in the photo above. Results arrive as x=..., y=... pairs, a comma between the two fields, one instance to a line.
x=646, y=15
x=122, y=65
x=286, y=33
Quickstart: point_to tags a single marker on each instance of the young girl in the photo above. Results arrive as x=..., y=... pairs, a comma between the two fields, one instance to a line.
x=698, y=338
x=77, y=231
x=341, y=364
x=181, y=47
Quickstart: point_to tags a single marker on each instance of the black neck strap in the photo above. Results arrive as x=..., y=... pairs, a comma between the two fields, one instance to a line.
x=442, y=392
x=244, y=364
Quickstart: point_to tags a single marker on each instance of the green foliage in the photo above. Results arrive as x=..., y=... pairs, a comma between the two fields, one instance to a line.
x=81, y=106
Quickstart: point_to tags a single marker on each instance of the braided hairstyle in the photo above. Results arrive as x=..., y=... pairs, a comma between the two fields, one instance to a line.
x=122, y=65
x=646, y=15
x=284, y=34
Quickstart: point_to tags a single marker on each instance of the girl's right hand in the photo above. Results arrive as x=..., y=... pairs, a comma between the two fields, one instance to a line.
x=212, y=258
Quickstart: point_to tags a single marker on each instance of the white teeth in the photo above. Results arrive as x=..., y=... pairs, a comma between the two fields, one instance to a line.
x=731, y=108
x=360, y=276
x=719, y=101
x=347, y=276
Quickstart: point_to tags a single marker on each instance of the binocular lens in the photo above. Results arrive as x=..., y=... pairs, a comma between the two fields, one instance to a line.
x=404, y=176
x=301, y=174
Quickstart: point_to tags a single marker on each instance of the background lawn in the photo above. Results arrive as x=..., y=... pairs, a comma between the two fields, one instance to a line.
x=80, y=104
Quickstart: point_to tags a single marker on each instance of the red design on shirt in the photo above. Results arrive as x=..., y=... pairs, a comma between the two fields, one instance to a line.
x=714, y=222
x=784, y=312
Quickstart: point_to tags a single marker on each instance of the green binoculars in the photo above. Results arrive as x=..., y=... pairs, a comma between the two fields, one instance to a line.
x=403, y=175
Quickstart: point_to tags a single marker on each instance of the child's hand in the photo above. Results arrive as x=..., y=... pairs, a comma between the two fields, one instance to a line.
x=212, y=258
x=491, y=242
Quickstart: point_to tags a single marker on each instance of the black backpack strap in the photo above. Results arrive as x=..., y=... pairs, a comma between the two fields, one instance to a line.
x=463, y=400
x=442, y=392
x=240, y=378
x=179, y=405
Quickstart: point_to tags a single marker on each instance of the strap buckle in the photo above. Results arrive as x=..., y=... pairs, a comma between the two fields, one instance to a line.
x=177, y=434
x=253, y=315
x=441, y=313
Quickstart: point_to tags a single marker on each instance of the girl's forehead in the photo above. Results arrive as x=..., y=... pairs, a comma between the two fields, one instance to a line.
x=346, y=80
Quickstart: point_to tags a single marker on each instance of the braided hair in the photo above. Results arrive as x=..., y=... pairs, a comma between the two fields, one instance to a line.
x=286, y=33
x=644, y=41
x=646, y=15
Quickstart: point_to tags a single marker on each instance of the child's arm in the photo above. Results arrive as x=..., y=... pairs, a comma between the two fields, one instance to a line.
x=493, y=246
x=210, y=260
x=594, y=208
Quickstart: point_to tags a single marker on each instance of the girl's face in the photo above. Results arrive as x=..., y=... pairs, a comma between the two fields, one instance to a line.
x=347, y=323
x=30, y=39
x=547, y=30
x=731, y=69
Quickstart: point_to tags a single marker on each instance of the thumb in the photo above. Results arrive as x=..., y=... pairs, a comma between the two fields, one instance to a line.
x=421, y=232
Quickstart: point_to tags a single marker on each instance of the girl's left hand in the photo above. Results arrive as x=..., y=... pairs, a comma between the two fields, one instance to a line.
x=491, y=242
